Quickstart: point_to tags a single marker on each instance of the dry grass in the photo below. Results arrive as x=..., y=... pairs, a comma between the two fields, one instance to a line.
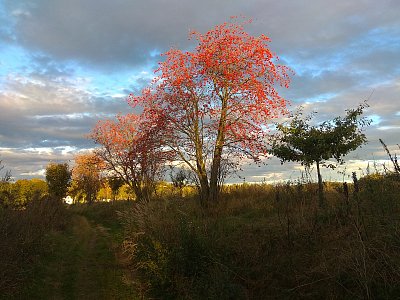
x=269, y=240
x=23, y=235
x=257, y=242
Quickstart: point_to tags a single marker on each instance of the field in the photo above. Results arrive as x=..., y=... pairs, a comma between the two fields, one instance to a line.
x=258, y=242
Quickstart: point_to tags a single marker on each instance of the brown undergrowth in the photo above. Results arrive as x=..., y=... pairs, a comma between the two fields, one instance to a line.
x=23, y=236
x=269, y=242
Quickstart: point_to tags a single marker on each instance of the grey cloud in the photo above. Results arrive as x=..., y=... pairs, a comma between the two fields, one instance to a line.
x=382, y=64
x=31, y=163
x=383, y=100
x=125, y=32
x=307, y=86
x=33, y=111
x=44, y=66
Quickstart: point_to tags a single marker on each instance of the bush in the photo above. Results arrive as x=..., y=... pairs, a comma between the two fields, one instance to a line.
x=268, y=241
x=23, y=237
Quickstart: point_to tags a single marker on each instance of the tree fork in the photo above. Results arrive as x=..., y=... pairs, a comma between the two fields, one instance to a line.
x=219, y=145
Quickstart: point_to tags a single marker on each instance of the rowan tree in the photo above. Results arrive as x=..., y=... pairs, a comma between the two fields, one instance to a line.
x=215, y=102
x=300, y=141
x=87, y=176
x=131, y=148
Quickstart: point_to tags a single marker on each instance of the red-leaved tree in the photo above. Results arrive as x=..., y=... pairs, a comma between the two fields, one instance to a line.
x=131, y=148
x=216, y=101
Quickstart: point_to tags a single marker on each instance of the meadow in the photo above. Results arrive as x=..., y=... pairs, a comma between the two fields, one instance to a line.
x=259, y=241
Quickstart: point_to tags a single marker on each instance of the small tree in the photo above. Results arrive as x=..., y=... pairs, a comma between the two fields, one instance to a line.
x=5, y=186
x=115, y=184
x=58, y=177
x=86, y=175
x=299, y=141
x=6, y=176
x=180, y=178
x=131, y=149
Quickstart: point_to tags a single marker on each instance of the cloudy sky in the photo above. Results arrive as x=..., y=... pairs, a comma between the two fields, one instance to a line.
x=64, y=64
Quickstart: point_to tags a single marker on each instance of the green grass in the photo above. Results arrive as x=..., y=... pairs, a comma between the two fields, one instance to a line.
x=79, y=262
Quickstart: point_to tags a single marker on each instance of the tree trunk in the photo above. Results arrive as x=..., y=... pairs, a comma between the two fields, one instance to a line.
x=148, y=189
x=219, y=144
x=203, y=178
x=200, y=162
x=89, y=198
x=321, y=200
x=137, y=191
x=204, y=190
x=214, y=178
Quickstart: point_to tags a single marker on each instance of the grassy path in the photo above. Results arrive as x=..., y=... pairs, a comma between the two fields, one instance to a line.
x=82, y=264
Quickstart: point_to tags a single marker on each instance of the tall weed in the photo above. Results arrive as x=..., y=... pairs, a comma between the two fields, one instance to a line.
x=23, y=238
x=274, y=242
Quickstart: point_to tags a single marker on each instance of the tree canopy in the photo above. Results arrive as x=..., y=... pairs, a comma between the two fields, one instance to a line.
x=86, y=176
x=131, y=149
x=58, y=177
x=216, y=101
x=302, y=142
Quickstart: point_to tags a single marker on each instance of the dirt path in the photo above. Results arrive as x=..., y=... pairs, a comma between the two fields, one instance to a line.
x=83, y=265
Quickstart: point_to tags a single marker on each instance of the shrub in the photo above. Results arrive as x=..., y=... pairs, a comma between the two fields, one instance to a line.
x=23, y=237
x=268, y=241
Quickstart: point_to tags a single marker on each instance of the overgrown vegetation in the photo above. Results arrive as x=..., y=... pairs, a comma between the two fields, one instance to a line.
x=264, y=241
x=17, y=195
x=49, y=251
x=24, y=235
x=257, y=240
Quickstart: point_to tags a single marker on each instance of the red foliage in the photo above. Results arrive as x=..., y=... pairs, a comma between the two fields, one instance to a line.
x=216, y=101
x=229, y=67
x=132, y=150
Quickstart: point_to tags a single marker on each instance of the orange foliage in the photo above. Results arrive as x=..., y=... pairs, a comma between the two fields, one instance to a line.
x=217, y=100
x=86, y=175
x=132, y=150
